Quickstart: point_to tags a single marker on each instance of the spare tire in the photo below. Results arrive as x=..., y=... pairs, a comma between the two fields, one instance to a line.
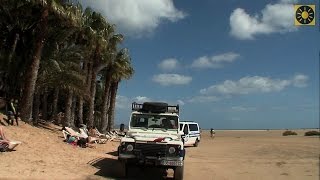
x=155, y=107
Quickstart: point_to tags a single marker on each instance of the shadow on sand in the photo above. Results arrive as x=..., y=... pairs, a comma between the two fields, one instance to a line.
x=111, y=168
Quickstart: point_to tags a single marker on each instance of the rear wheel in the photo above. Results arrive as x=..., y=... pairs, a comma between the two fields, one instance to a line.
x=178, y=173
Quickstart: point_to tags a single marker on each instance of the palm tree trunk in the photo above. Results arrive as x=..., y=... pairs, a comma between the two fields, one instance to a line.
x=80, y=110
x=73, y=112
x=13, y=48
x=36, y=107
x=45, y=105
x=85, y=69
x=55, y=104
x=113, y=94
x=105, y=103
x=68, y=105
x=89, y=75
x=92, y=98
x=32, y=71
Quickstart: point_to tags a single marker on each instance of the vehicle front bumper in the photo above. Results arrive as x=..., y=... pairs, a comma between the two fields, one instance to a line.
x=150, y=160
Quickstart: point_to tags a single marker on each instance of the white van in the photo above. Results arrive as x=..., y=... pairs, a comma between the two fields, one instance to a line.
x=191, y=133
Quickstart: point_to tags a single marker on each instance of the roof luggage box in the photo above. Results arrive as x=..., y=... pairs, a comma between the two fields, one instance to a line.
x=155, y=107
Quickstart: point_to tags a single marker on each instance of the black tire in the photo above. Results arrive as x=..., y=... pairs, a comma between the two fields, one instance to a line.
x=124, y=169
x=196, y=144
x=178, y=173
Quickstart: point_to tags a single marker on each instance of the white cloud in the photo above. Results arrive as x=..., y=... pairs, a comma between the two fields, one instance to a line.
x=123, y=102
x=300, y=80
x=216, y=61
x=171, y=79
x=169, y=64
x=254, y=84
x=141, y=99
x=243, y=109
x=274, y=18
x=203, y=99
x=138, y=17
x=180, y=102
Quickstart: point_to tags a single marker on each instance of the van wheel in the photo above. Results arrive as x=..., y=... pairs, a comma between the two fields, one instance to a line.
x=196, y=144
x=178, y=173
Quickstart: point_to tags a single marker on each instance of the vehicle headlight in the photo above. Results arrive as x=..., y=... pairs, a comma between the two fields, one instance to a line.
x=172, y=150
x=129, y=147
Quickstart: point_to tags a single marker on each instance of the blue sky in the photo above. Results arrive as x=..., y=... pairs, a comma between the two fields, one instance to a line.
x=229, y=64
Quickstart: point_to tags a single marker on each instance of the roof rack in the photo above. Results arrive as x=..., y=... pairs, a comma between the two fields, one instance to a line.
x=155, y=107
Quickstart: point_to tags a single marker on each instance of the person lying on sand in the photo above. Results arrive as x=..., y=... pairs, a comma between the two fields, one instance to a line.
x=82, y=136
x=5, y=141
x=81, y=142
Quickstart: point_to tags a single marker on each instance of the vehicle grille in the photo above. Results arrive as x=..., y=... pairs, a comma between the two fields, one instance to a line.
x=148, y=149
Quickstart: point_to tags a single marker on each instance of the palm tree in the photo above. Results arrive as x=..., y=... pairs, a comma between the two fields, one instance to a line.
x=47, y=8
x=122, y=69
x=100, y=41
x=112, y=49
x=63, y=73
x=16, y=22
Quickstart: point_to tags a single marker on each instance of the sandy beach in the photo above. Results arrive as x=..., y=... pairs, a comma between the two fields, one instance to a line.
x=231, y=155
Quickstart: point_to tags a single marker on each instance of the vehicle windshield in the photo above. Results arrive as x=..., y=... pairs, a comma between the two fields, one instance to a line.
x=146, y=121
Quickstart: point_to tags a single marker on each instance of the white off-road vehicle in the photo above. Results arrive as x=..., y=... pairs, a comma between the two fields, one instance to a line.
x=153, y=138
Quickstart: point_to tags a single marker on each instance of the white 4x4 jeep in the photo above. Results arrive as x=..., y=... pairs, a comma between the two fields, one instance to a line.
x=153, y=138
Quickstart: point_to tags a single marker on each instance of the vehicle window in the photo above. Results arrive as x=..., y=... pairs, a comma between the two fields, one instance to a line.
x=181, y=126
x=193, y=127
x=154, y=121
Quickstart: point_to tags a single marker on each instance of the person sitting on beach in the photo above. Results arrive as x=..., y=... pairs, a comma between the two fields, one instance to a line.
x=95, y=136
x=82, y=136
x=4, y=141
x=3, y=138
x=93, y=132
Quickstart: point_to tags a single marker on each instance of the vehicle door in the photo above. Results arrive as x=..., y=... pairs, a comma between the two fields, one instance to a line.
x=186, y=134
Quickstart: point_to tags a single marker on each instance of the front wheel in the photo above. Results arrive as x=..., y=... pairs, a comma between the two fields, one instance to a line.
x=124, y=169
x=196, y=144
x=178, y=173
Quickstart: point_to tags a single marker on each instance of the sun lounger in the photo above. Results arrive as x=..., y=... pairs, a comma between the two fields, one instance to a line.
x=13, y=144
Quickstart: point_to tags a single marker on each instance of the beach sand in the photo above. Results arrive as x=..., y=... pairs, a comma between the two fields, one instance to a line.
x=238, y=155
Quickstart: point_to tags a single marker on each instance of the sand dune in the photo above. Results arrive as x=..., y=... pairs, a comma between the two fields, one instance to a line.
x=231, y=155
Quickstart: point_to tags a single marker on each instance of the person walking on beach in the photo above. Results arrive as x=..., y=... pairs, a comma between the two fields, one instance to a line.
x=212, y=133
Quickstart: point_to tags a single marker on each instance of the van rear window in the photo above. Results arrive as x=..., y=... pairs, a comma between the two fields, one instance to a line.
x=193, y=127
